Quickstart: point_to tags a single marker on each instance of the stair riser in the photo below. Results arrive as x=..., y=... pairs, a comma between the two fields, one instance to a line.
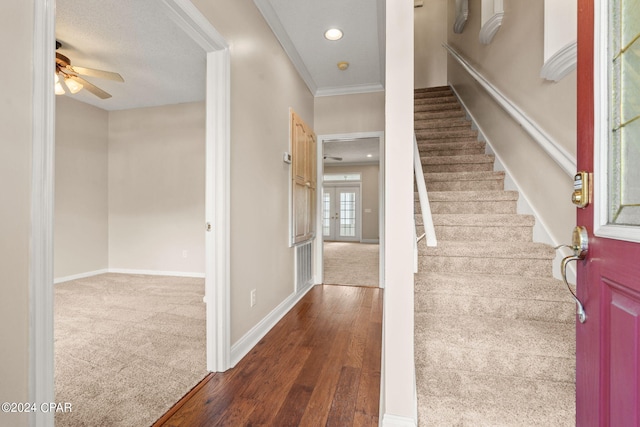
x=457, y=167
x=456, y=113
x=436, y=135
x=462, y=151
x=436, y=107
x=516, y=265
x=488, y=362
x=443, y=124
x=435, y=100
x=480, y=234
x=494, y=207
x=506, y=308
x=465, y=185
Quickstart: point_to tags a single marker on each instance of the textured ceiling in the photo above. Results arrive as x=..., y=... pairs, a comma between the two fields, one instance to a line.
x=300, y=25
x=160, y=64
x=352, y=151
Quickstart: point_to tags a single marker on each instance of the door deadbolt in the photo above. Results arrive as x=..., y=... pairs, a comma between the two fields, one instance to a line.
x=581, y=189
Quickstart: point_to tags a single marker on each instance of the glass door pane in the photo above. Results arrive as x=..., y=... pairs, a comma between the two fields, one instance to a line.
x=347, y=213
x=624, y=113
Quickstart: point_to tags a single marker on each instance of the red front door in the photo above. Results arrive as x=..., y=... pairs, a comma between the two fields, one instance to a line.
x=608, y=343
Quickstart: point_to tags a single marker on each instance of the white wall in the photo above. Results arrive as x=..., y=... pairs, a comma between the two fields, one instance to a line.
x=264, y=85
x=81, y=216
x=156, y=188
x=16, y=28
x=362, y=112
x=512, y=63
x=430, y=32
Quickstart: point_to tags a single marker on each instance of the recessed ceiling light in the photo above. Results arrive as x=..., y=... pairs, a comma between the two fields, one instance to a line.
x=333, y=34
x=369, y=155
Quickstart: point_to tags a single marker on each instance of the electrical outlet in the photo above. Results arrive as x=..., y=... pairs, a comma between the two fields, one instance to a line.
x=253, y=297
x=185, y=253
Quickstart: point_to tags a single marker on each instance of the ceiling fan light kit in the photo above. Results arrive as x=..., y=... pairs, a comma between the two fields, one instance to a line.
x=68, y=77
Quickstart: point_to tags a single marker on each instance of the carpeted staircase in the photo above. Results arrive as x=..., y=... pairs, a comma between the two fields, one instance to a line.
x=494, y=331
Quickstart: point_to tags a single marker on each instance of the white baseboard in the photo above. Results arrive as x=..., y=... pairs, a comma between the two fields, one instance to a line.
x=370, y=241
x=79, y=276
x=157, y=273
x=244, y=345
x=541, y=232
x=389, y=420
x=127, y=271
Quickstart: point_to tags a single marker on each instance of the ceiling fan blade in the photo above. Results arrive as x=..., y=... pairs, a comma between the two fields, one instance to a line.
x=91, y=87
x=333, y=158
x=91, y=72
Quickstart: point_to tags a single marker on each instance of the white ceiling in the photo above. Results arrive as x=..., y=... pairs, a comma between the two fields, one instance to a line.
x=161, y=65
x=352, y=151
x=300, y=25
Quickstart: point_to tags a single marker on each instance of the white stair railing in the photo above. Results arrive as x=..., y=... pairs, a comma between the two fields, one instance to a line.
x=427, y=218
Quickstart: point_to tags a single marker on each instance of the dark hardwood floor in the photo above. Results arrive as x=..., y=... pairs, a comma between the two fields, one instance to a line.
x=320, y=365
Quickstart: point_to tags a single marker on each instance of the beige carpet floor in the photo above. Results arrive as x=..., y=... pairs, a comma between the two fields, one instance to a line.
x=347, y=263
x=127, y=347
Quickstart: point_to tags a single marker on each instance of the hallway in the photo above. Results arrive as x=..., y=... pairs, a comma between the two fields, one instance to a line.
x=320, y=365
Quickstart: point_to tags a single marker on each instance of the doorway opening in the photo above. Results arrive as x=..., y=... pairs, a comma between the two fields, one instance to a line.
x=190, y=20
x=350, y=209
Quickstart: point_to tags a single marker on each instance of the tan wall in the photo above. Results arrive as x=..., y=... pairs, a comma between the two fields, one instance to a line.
x=430, y=32
x=81, y=220
x=156, y=188
x=349, y=113
x=369, y=196
x=264, y=85
x=512, y=63
x=16, y=28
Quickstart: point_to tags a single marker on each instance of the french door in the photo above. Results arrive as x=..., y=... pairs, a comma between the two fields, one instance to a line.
x=608, y=342
x=341, y=213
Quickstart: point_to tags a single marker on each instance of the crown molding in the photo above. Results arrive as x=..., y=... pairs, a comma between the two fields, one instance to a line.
x=349, y=90
x=270, y=15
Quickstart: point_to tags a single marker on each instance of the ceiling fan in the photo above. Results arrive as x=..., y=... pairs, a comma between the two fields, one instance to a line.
x=326, y=156
x=68, y=77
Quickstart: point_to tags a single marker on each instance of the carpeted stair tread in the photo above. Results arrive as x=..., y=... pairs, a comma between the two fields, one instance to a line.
x=441, y=98
x=466, y=196
x=476, y=285
x=486, y=220
x=434, y=91
x=439, y=114
x=487, y=333
x=463, y=176
x=458, y=160
x=443, y=134
x=510, y=250
x=452, y=148
x=491, y=361
x=441, y=123
x=453, y=105
x=493, y=400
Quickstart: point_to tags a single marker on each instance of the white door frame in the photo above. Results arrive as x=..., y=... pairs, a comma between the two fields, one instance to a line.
x=41, y=349
x=319, y=241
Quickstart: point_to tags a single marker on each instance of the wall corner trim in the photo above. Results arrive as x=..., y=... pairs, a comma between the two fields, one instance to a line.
x=561, y=63
x=561, y=156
